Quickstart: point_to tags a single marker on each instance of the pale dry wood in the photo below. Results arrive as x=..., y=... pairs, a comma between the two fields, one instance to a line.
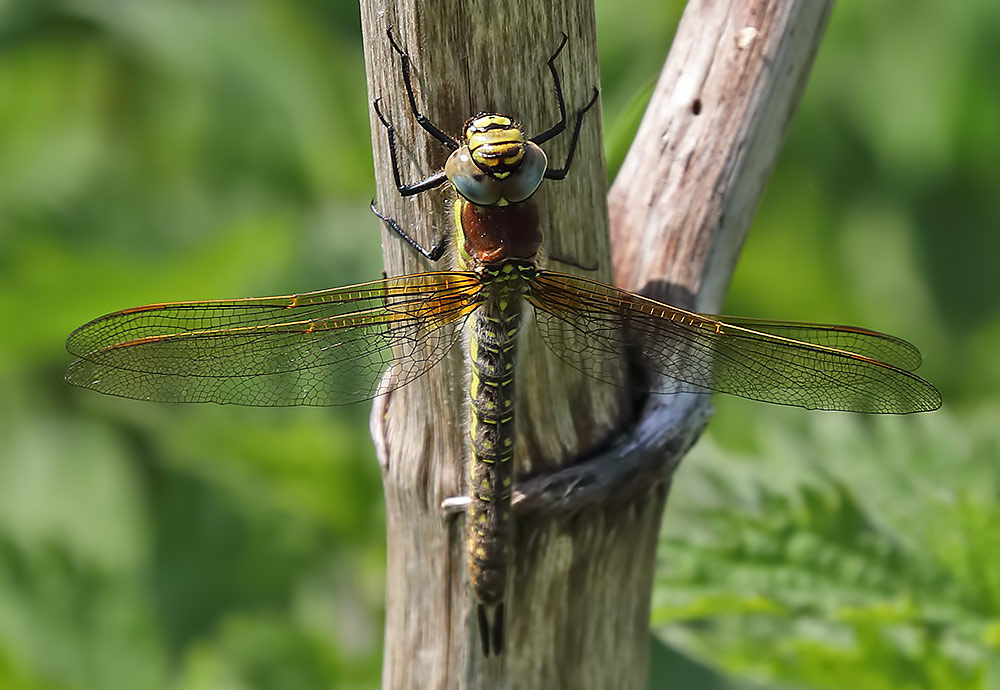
x=580, y=593
x=470, y=56
x=683, y=199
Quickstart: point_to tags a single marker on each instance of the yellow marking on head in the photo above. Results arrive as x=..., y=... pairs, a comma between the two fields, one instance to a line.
x=495, y=143
x=502, y=137
x=495, y=151
x=484, y=121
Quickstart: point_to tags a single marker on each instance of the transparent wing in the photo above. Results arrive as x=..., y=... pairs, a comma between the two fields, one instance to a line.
x=596, y=328
x=320, y=348
x=861, y=341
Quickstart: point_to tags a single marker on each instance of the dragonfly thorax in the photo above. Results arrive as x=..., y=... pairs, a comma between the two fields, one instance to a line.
x=495, y=234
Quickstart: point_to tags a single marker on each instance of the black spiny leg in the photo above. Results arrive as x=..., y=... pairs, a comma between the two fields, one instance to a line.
x=558, y=127
x=573, y=262
x=432, y=254
x=560, y=173
x=421, y=119
x=430, y=182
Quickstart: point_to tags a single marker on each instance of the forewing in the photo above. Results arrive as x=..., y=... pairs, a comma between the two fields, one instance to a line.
x=861, y=341
x=589, y=324
x=322, y=348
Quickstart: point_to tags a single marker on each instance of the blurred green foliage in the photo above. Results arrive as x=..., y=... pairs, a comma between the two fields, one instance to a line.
x=175, y=150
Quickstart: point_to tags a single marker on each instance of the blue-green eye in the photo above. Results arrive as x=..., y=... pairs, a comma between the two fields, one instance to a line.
x=471, y=182
x=524, y=180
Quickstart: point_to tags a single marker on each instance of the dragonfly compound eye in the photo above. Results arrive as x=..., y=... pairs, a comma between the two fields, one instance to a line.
x=472, y=183
x=524, y=180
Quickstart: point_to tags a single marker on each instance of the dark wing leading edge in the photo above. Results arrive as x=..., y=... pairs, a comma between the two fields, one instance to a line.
x=591, y=326
x=320, y=348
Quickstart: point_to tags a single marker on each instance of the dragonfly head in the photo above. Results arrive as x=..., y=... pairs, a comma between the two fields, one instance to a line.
x=497, y=165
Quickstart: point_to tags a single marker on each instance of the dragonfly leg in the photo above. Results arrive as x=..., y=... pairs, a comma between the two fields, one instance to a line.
x=560, y=173
x=429, y=127
x=432, y=254
x=569, y=261
x=558, y=127
x=429, y=182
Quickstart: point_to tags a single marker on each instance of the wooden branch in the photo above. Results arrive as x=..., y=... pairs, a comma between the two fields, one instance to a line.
x=469, y=56
x=684, y=197
x=587, y=531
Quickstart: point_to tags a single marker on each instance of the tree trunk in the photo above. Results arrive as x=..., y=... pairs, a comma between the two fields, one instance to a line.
x=588, y=504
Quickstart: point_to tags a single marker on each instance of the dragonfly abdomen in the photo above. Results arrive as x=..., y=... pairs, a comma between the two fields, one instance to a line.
x=493, y=333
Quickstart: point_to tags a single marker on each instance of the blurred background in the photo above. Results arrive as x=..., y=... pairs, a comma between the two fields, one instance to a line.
x=164, y=150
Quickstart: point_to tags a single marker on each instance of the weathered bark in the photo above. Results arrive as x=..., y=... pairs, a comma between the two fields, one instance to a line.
x=683, y=200
x=587, y=531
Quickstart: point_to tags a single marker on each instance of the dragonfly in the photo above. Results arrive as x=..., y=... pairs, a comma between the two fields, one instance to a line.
x=335, y=346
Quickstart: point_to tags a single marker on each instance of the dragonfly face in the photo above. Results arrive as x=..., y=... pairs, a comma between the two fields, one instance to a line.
x=333, y=346
x=497, y=165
